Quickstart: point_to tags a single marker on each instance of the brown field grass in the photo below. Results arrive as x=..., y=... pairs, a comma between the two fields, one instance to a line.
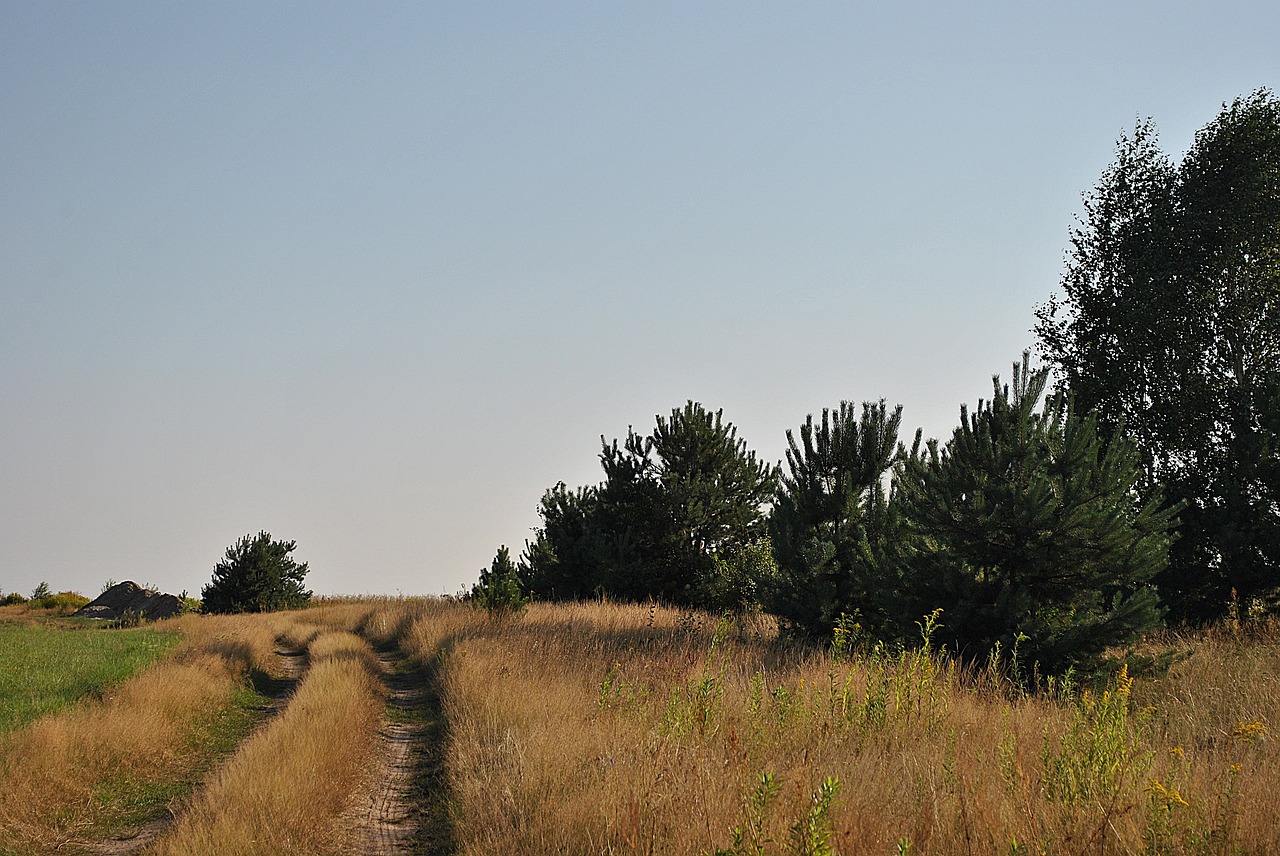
x=64, y=775
x=598, y=728
x=603, y=728
x=287, y=787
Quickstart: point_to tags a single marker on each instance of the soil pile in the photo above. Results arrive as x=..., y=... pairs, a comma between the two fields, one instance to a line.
x=130, y=598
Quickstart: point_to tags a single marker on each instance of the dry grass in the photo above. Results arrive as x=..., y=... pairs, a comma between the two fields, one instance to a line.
x=599, y=728
x=287, y=787
x=61, y=776
x=609, y=729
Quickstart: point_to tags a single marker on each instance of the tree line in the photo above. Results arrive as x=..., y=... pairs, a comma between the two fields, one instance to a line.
x=1132, y=478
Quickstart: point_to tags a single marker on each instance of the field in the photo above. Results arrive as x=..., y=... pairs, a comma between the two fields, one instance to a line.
x=47, y=669
x=428, y=727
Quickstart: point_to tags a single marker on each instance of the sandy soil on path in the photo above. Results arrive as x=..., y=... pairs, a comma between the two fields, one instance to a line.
x=401, y=811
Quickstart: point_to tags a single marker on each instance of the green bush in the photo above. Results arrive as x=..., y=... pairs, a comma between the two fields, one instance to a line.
x=63, y=601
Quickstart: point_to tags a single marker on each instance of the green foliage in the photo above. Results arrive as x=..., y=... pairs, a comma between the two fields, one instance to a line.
x=1101, y=754
x=48, y=668
x=41, y=591
x=752, y=837
x=1169, y=325
x=1027, y=532
x=679, y=517
x=13, y=598
x=257, y=574
x=567, y=559
x=498, y=590
x=835, y=533
x=810, y=835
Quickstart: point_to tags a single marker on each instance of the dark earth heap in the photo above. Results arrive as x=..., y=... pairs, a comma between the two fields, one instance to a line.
x=130, y=598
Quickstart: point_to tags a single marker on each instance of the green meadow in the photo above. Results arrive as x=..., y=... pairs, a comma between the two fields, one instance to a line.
x=47, y=668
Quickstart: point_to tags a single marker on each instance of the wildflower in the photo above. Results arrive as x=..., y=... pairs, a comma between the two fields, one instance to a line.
x=1250, y=731
x=1169, y=796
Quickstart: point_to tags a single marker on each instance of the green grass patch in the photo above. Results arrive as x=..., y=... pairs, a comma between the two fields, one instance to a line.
x=48, y=668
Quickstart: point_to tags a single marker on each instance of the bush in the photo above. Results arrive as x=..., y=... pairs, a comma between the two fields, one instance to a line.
x=12, y=598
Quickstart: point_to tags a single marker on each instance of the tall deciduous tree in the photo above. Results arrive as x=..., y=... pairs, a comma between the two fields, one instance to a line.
x=1169, y=324
x=257, y=574
x=1029, y=532
x=835, y=533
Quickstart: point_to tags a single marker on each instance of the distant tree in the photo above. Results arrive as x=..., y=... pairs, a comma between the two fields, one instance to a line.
x=498, y=590
x=675, y=502
x=835, y=533
x=41, y=591
x=257, y=574
x=1169, y=324
x=566, y=558
x=678, y=517
x=1028, y=532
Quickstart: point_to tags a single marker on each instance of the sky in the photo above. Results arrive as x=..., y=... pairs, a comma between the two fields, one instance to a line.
x=372, y=277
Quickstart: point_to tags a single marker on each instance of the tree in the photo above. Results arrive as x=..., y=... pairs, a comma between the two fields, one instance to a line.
x=498, y=590
x=565, y=560
x=1028, y=533
x=257, y=574
x=1169, y=325
x=678, y=517
x=675, y=502
x=835, y=533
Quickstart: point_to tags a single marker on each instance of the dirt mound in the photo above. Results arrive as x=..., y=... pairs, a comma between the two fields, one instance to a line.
x=130, y=598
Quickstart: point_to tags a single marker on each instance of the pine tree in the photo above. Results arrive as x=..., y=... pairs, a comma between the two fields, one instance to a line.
x=256, y=575
x=498, y=590
x=1028, y=532
x=677, y=503
x=678, y=517
x=565, y=560
x=835, y=534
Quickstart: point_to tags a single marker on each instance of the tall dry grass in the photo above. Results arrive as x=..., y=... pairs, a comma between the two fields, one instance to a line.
x=287, y=787
x=62, y=776
x=611, y=729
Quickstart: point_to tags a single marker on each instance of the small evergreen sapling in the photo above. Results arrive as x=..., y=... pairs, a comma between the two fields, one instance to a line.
x=498, y=590
x=256, y=575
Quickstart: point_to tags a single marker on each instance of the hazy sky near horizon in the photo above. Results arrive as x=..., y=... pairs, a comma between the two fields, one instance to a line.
x=373, y=276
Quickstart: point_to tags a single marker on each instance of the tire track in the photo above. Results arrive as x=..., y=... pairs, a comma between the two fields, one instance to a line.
x=293, y=665
x=405, y=809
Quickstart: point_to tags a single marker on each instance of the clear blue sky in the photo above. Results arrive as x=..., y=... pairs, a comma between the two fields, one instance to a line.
x=372, y=276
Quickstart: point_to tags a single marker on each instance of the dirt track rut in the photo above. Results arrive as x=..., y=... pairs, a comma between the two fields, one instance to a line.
x=293, y=665
x=405, y=810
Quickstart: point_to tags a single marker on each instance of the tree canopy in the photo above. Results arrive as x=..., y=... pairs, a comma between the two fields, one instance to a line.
x=1169, y=325
x=675, y=506
x=835, y=533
